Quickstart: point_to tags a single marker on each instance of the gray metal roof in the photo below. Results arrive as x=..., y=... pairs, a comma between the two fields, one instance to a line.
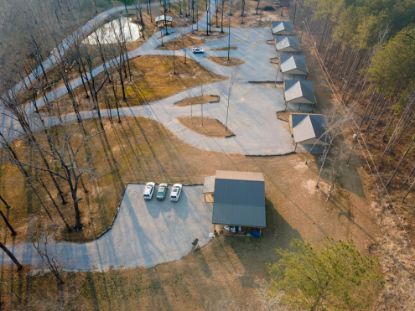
x=293, y=64
x=239, y=201
x=287, y=44
x=308, y=128
x=285, y=28
x=299, y=91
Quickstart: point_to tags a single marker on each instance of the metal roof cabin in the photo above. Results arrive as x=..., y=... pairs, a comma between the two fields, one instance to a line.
x=282, y=28
x=293, y=64
x=160, y=20
x=239, y=199
x=299, y=92
x=287, y=44
x=308, y=129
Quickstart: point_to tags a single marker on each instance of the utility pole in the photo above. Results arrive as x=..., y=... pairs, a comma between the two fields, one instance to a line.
x=229, y=31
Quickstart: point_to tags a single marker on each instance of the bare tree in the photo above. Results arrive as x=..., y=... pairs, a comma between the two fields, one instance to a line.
x=6, y=221
x=11, y=255
x=41, y=247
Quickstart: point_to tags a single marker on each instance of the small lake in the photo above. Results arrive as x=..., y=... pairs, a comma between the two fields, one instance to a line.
x=117, y=29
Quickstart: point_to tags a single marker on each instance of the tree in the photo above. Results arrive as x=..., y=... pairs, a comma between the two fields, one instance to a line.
x=334, y=277
x=392, y=69
x=12, y=257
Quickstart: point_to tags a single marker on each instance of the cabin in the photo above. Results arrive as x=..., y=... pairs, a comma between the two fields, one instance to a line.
x=293, y=65
x=162, y=20
x=287, y=44
x=282, y=28
x=238, y=202
x=299, y=94
x=308, y=130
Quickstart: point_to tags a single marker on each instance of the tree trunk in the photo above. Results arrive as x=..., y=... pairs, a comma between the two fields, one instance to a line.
x=6, y=221
x=12, y=257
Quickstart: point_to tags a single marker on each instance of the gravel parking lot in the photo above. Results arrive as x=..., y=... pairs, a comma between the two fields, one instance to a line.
x=145, y=233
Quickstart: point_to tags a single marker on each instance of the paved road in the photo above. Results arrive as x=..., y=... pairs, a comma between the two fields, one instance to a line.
x=144, y=234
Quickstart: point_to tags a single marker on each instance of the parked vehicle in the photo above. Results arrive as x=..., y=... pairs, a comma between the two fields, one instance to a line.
x=149, y=190
x=162, y=191
x=176, y=190
x=198, y=51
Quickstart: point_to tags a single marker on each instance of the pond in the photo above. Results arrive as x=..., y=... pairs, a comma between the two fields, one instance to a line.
x=119, y=29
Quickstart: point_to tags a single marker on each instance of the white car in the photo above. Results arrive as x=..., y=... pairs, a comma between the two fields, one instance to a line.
x=176, y=190
x=198, y=51
x=149, y=190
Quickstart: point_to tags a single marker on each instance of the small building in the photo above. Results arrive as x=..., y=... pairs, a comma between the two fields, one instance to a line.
x=287, y=44
x=308, y=129
x=293, y=65
x=160, y=20
x=282, y=28
x=239, y=201
x=298, y=93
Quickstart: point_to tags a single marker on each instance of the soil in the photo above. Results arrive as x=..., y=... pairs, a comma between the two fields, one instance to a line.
x=188, y=40
x=54, y=76
x=225, y=62
x=152, y=78
x=224, y=48
x=206, y=126
x=198, y=100
x=268, y=11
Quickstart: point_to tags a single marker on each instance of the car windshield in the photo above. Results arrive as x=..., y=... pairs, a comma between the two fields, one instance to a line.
x=175, y=189
x=148, y=187
x=161, y=188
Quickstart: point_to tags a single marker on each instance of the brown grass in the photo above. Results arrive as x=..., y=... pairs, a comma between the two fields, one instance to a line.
x=206, y=126
x=185, y=41
x=54, y=77
x=225, y=48
x=228, y=271
x=198, y=100
x=251, y=19
x=153, y=78
x=233, y=61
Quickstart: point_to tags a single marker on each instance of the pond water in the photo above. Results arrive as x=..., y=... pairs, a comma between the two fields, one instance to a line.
x=117, y=29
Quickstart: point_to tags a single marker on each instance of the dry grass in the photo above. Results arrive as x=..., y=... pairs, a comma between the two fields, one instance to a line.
x=268, y=11
x=198, y=100
x=233, y=61
x=206, y=126
x=229, y=270
x=225, y=48
x=152, y=78
x=54, y=77
x=185, y=41
x=128, y=160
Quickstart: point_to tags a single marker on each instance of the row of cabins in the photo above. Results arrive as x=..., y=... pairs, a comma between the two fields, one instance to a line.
x=239, y=204
x=308, y=129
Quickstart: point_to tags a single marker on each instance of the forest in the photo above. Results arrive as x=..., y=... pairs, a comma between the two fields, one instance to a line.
x=367, y=49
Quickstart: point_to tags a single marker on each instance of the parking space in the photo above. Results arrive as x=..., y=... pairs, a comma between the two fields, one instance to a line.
x=144, y=234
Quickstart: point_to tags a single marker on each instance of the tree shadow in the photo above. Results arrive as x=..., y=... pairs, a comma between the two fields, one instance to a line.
x=255, y=253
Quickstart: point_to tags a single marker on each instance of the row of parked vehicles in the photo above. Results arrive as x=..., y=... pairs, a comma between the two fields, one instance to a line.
x=162, y=190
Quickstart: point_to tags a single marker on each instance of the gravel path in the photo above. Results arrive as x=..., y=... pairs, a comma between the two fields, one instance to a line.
x=144, y=234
